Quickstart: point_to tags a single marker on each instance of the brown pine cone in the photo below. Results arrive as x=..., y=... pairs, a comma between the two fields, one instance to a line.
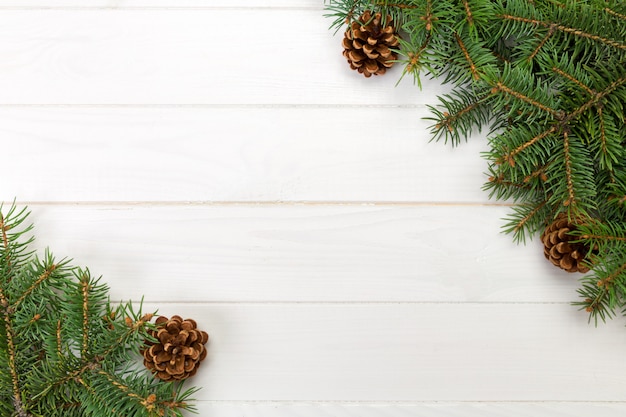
x=367, y=44
x=178, y=351
x=560, y=249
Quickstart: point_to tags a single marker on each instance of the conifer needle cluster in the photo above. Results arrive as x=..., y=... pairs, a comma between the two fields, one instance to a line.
x=547, y=78
x=64, y=349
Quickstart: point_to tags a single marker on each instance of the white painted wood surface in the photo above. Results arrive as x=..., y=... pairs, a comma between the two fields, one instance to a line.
x=269, y=154
x=343, y=264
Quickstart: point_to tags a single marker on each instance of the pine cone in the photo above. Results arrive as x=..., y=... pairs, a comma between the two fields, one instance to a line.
x=178, y=351
x=559, y=248
x=367, y=44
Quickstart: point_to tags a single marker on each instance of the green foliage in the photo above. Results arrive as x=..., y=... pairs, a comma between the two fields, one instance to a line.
x=548, y=78
x=64, y=349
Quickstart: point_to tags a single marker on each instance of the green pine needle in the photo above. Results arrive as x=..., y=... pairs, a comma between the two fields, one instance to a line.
x=65, y=350
x=548, y=78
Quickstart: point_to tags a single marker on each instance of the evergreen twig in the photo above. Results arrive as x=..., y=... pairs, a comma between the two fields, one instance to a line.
x=64, y=349
x=549, y=78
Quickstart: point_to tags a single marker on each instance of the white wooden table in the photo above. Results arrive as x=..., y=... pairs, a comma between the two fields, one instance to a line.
x=219, y=158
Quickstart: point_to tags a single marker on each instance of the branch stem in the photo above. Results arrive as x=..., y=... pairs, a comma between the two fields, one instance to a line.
x=566, y=29
x=85, y=287
x=527, y=217
x=501, y=87
x=510, y=157
x=44, y=276
x=467, y=56
x=11, y=352
x=568, y=172
x=5, y=243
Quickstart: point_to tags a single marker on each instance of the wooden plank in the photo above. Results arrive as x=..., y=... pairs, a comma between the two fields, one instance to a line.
x=300, y=409
x=293, y=253
x=226, y=154
x=446, y=352
x=213, y=56
x=178, y=4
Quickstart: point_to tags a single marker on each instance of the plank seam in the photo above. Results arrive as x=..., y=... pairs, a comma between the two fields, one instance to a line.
x=355, y=203
x=234, y=106
x=153, y=8
x=407, y=402
x=350, y=303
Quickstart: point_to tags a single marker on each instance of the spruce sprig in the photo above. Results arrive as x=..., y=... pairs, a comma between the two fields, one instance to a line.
x=65, y=350
x=548, y=77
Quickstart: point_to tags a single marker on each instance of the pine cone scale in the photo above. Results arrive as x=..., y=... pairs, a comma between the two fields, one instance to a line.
x=384, y=51
x=370, y=52
x=561, y=247
x=178, y=351
x=356, y=57
x=367, y=44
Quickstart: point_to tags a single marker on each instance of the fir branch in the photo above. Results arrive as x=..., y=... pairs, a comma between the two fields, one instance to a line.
x=428, y=17
x=499, y=86
x=574, y=80
x=566, y=29
x=85, y=288
x=468, y=13
x=596, y=98
x=8, y=310
x=600, y=232
x=59, y=340
x=500, y=180
x=463, y=112
x=449, y=120
x=74, y=375
x=521, y=224
x=13, y=251
x=101, y=403
x=596, y=305
x=568, y=172
x=548, y=76
x=343, y=11
x=526, y=219
x=543, y=41
x=414, y=59
x=501, y=187
x=604, y=291
x=510, y=157
x=608, y=282
x=141, y=395
x=148, y=402
x=468, y=58
x=614, y=13
x=54, y=339
x=134, y=328
x=571, y=176
x=538, y=173
x=47, y=273
x=415, y=56
x=602, y=139
x=11, y=353
x=5, y=240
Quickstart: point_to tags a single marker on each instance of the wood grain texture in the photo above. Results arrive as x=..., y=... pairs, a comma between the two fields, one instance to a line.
x=406, y=352
x=343, y=265
x=185, y=57
x=301, y=409
x=234, y=154
x=171, y=4
x=322, y=253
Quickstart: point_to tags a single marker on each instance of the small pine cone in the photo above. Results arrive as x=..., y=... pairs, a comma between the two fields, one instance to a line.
x=367, y=44
x=559, y=249
x=179, y=348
